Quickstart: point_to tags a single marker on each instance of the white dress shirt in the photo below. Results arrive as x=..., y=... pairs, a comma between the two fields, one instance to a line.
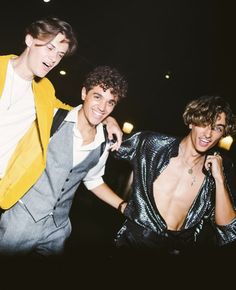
x=80, y=152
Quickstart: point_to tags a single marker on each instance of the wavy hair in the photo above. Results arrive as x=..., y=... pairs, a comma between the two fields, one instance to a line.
x=205, y=111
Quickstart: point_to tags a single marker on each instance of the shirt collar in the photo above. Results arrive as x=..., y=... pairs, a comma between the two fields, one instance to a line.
x=72, y=117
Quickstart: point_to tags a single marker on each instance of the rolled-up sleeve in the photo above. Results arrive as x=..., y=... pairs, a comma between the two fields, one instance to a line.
x=226, y=233
x=95, y=174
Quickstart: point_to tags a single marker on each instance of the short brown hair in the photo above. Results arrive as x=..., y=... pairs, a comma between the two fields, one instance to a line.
x=50, y=27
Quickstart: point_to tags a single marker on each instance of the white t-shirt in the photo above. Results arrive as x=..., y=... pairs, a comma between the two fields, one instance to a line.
x=17, y=113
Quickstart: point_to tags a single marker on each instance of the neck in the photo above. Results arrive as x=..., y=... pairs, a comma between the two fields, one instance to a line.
x=21, y=69
x=87, y=130
x=188, y=150
x=189, y=156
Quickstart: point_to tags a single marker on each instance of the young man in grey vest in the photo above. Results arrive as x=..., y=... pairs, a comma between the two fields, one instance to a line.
x=39, y=222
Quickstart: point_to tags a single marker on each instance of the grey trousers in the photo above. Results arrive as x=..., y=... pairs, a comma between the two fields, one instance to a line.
x=21, y=235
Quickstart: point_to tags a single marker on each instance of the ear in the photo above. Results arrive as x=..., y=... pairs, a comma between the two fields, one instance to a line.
x=28, y=40
x=190, y=126
x=83, y=93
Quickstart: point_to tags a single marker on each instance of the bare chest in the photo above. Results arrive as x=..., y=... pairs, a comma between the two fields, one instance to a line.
x=174, y=191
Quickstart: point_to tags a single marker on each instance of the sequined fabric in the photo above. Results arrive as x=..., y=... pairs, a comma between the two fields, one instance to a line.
x=149, y=153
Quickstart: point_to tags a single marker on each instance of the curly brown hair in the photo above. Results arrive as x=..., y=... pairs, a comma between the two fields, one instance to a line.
x=107, y=78
x=205, y=111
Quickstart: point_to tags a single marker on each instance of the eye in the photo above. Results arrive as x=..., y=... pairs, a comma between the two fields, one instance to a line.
x=112, y=103
x=97, y=97
x=61, y=55
x=218, y=129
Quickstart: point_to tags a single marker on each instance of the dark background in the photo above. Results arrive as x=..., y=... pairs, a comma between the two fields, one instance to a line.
x=192, y=41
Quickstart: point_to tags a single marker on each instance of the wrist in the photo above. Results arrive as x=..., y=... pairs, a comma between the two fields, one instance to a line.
x=120, y=206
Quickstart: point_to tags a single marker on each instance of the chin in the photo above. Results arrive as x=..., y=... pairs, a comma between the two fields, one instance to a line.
x=202, y=150
x=94, y=124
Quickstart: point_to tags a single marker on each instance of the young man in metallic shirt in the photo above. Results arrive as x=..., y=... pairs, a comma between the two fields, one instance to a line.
x=183, y=195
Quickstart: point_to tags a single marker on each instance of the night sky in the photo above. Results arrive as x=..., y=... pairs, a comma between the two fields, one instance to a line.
x=193, y=41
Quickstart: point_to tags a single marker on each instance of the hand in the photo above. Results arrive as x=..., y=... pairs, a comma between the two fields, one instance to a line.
x=214, y=164
x=113, y=128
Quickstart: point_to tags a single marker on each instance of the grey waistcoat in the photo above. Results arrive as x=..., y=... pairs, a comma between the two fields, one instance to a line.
x=54, y=191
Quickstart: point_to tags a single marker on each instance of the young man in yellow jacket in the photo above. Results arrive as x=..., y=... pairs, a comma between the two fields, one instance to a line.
x=27, y=103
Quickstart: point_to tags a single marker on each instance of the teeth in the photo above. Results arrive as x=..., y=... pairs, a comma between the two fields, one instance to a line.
x=47, y=65
x=204, y=141
x=98, y=114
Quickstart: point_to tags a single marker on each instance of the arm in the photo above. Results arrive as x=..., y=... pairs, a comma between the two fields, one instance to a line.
x=225, y=199
x=129, y=147
x=113, y=128
x=61, y=105
x=105, y=193
x=224, y=209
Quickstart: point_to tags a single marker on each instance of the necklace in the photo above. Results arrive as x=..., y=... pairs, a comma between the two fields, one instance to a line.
x=190, y=169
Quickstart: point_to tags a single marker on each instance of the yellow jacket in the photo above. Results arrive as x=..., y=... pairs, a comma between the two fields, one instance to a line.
x=29, y=159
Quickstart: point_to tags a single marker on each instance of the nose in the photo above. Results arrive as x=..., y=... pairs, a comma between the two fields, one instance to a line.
x=208, y=131
x=102, y=106
x=53, y=55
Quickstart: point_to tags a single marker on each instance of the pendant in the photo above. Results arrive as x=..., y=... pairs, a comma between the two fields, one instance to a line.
x=193, y=180
x=190, y=171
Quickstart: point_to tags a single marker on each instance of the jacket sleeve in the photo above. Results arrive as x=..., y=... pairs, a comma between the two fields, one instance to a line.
x=227, y=233
x=61, y=105
x=128, y=148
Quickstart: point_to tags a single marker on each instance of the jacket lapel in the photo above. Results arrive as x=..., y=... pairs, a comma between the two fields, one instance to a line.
x=44, y=110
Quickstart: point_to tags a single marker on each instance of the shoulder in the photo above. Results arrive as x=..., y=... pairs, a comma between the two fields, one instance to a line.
x=151, y=136
x=148, y=140
x=5, y=58
x=44, y=83
x=44, y=88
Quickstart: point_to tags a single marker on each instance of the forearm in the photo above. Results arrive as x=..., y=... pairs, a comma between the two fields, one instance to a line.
x=105, y=193
x=224, y=211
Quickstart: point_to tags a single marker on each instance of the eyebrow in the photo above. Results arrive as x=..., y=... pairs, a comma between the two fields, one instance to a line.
x=113, y=100
x=221, y=125
x=60, y=51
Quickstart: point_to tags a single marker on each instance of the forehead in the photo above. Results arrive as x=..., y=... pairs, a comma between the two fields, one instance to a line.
x=59, y=38
x=108, y=92
x=221, y=120
x=59, y=41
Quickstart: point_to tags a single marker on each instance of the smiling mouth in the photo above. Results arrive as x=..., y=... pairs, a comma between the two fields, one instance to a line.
x=98, y=114
x=204, y=142
x=47, y=66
